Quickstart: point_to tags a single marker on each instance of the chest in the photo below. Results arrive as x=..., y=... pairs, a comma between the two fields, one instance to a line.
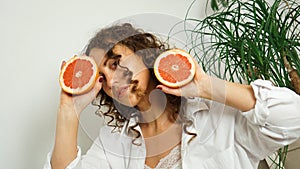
x=169, y=158
x=162, y=146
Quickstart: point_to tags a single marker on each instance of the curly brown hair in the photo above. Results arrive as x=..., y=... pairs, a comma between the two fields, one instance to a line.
x=147, y=46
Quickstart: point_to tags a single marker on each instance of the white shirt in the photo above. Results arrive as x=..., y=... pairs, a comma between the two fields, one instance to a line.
x=226, y=138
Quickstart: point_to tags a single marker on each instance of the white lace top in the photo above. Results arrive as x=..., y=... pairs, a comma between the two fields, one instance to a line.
x=171, y=161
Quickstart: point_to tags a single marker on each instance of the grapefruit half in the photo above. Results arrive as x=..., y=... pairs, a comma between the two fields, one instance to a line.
x=174, y=68
x=78, y=75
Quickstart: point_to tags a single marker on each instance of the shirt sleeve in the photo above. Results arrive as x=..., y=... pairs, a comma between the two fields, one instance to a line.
x=94, y=159
x=274, y=121
x=72, y=165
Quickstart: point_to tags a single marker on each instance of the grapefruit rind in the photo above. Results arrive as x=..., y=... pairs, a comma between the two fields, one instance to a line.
x=174, y=52
x=88, y=86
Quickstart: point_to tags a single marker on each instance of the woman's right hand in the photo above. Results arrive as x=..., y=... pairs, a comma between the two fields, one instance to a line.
x=65, y=148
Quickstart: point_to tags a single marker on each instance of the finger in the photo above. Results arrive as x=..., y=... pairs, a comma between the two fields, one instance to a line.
x=172, y=91
x=63, y=63
x=98, y=85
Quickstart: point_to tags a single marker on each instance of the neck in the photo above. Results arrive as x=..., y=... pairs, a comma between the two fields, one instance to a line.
x=161, y=134
x=156, y=120
x=155, y=111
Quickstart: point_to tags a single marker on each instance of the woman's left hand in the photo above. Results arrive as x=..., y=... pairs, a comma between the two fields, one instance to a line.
x=198, y=87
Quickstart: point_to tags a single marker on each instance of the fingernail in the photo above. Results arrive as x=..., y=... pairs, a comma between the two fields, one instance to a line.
x=158, y=87
x=101, y=79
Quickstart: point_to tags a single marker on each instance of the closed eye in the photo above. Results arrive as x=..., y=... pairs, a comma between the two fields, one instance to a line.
x=115, y=64
x=114, y=61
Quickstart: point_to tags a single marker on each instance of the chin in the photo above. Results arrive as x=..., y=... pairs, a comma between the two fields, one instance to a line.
x=128, y=101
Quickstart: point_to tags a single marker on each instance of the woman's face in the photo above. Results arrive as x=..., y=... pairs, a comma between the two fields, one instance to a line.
x=119, y=72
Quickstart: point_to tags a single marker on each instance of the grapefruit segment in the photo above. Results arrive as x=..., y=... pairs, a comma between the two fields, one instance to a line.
x=174, y=68
x=78, y=75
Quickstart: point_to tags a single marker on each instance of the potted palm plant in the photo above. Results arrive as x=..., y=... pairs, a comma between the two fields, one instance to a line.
x=253, y=40
x=248, y=40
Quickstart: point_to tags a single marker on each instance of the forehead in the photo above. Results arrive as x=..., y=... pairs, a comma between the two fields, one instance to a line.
x=99, y=55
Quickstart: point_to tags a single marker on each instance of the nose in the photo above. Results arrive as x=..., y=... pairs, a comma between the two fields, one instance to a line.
x=119, y=76
x=111, y=80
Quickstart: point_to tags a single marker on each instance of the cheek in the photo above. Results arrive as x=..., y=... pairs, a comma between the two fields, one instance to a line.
x=106, y=89
x=143, y=78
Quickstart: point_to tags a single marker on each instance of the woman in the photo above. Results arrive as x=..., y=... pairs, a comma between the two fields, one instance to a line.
x=208, y=123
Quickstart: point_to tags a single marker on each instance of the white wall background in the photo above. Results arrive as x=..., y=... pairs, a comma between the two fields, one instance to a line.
x=35, y=36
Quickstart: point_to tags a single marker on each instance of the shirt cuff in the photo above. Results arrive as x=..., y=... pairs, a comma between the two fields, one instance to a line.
x=72, y=165
x=260, y=112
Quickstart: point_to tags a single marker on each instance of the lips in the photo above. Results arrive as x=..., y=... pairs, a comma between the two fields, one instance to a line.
x=121, y=91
